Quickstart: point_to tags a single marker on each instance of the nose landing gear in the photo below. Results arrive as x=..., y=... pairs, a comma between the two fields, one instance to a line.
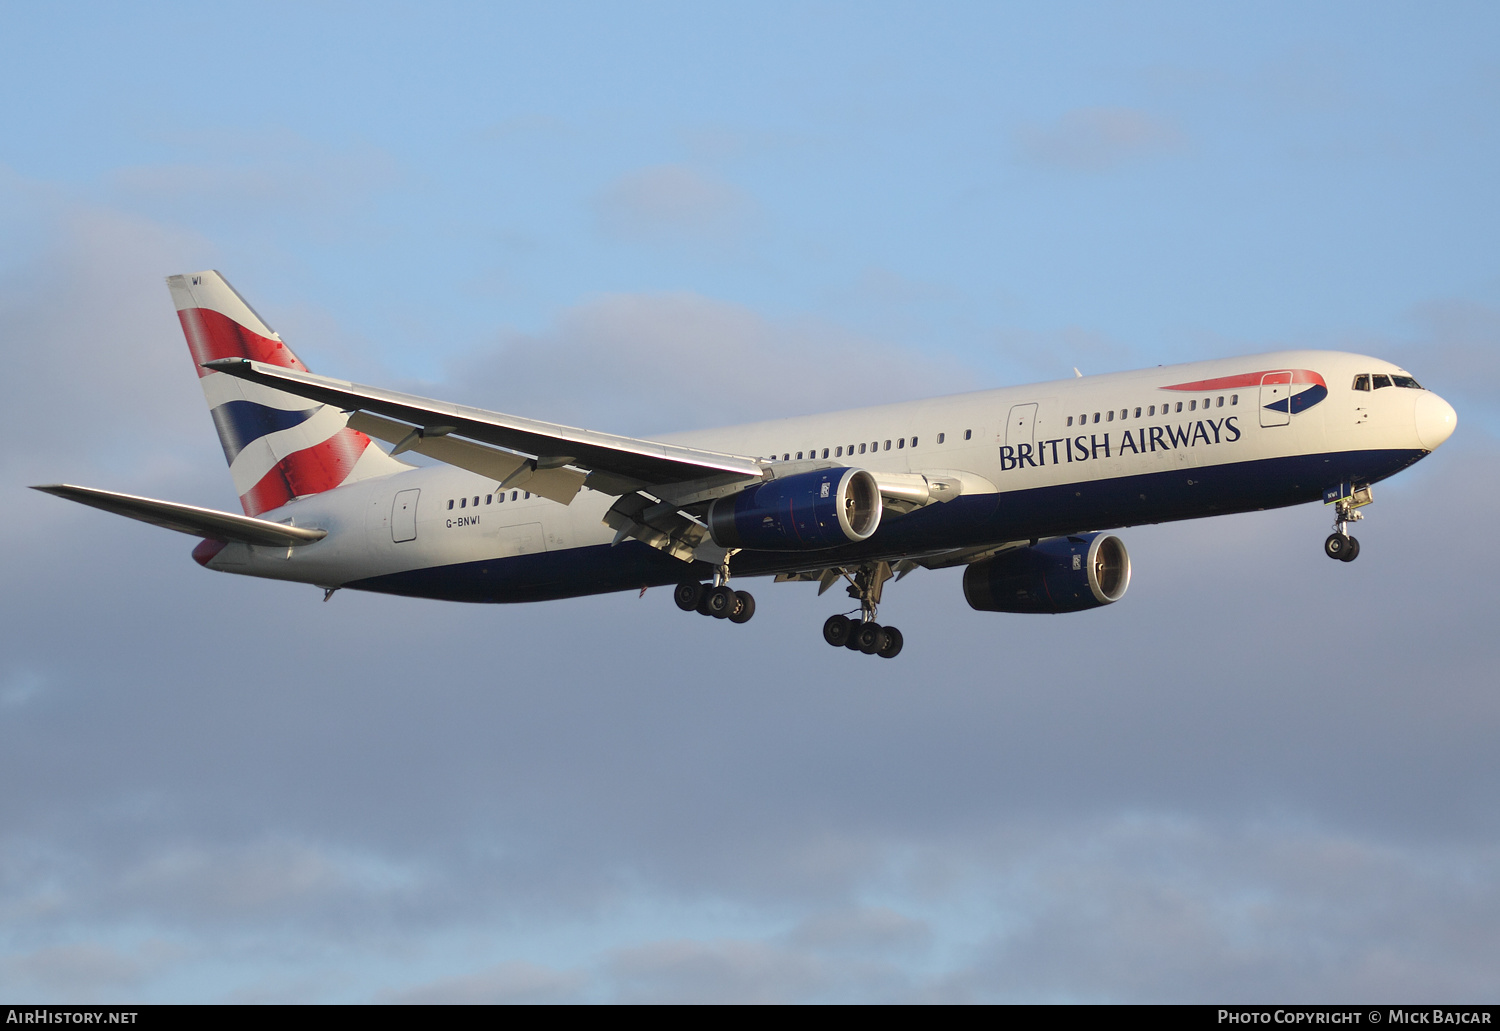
x=1342, y=547
x=1346, y=500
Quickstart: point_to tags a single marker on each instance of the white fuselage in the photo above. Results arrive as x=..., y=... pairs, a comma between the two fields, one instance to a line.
x=1033, y=461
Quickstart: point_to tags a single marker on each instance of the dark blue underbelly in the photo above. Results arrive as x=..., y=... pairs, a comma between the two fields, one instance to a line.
x=966, y=522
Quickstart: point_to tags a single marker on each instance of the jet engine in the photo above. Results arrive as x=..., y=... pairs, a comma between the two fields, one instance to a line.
x=819, y=509
x=1060, y=574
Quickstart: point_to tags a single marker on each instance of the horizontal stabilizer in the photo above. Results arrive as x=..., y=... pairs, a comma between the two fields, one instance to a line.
x=189, y=519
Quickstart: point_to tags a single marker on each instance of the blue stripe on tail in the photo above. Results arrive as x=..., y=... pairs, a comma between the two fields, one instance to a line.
x=241, y=422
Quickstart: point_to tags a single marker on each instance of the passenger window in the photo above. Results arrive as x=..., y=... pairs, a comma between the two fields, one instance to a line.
x=940, y=437
x=500, y=498
x=1070, y=420
x=968, y=434
x=476, y=500
x=887, y=445
x=861, y=448
x=825, y=452
x=513, y=494
x=450, y=503
x=488, y=498
x=1234, y=399
x=1179, y=406
x=1193, y=405
x=914, y=442
x=1110, y=415
x=799, y=456
x=528, y=495
x=900, y=443
x=1221, y=401
x=463, y=502
x=1382, y=381
x=1151, y=410
x=1137, y=413
x=838, y=452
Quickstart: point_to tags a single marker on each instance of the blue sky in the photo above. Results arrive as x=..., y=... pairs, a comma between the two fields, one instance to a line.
x=1257, y=777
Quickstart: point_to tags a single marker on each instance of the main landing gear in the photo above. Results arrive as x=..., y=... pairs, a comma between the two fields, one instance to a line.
x=864, y=634
x=717, y=600
x=1339, y=544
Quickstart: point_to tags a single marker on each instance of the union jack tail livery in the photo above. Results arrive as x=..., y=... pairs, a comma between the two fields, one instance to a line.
x=278, y=445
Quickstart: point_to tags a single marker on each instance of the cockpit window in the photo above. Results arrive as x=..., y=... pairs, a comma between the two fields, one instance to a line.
x=1381, y=381
x=1362, y=382
x=1406, y=381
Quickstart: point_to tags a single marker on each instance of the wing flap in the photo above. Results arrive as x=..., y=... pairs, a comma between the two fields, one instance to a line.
x=189, y=519
x=504, y=467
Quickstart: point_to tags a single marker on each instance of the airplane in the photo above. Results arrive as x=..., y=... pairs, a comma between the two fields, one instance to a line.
x=1019, y=485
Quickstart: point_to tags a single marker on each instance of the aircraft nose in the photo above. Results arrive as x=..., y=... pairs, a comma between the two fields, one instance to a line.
x=1436, y=420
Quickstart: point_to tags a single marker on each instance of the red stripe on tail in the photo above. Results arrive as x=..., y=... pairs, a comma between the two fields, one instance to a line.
x=309, y=471
x=212, y=335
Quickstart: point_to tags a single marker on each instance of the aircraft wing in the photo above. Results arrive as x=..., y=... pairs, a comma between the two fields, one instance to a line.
x=189, y=519
x=613, y=464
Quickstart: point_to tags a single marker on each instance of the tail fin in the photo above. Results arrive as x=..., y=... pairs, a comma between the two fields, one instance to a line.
x=278, y=448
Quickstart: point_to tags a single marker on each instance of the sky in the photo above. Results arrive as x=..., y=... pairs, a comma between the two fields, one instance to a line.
x=1261, y=776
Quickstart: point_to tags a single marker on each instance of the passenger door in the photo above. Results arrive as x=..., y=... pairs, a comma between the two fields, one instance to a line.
x=1021, y=425
x=404, y=516
x=1276, y=399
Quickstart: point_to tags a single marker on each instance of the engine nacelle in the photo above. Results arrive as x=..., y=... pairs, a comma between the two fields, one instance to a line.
x=1060, y=574
x=819, y=509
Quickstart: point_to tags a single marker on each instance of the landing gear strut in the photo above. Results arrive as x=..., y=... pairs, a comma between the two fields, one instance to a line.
x=1346, y=510
x=864, y=634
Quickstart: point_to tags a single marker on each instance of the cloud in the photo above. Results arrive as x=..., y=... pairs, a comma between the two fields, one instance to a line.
x=1148, y=908
x=89, y=333
x=674, y=205
x=719, y=971
x=267, y=175
x=1097, y=139
x=85, y=970
x=651, y=363
x=1262, y=774
x=515, y=983
x=860, y=928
